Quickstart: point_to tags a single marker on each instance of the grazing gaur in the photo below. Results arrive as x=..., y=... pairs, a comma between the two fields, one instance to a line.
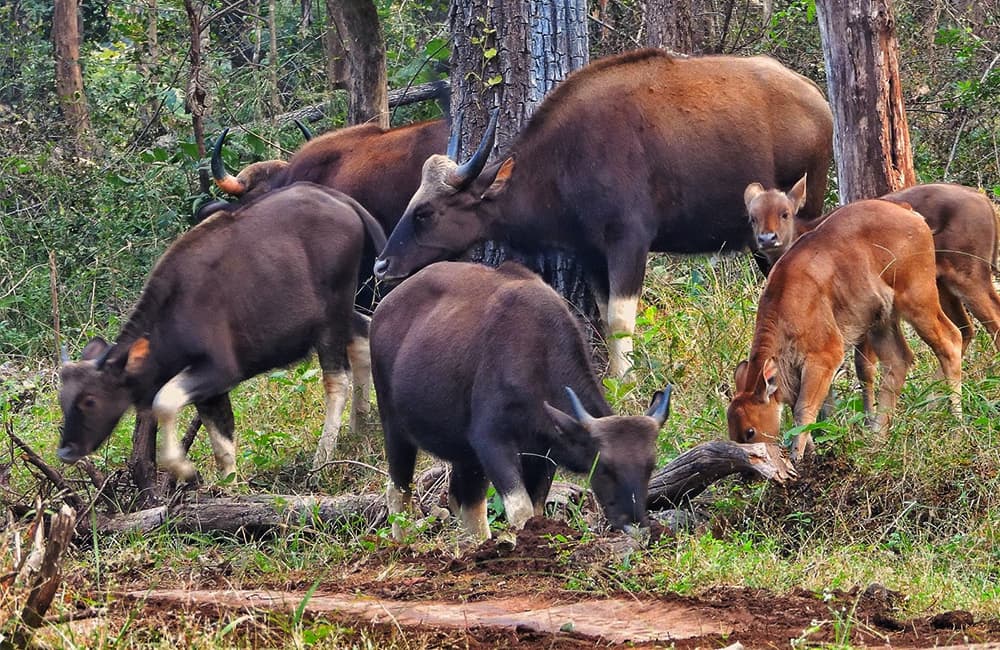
x=853, y=277
x=243, y=292
x=379, y=167
x=635, y=153
x=962, y=220
x=487, y=369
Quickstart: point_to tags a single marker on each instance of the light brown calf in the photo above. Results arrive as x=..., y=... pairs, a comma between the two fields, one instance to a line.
x=868, y=265
x=961, y=219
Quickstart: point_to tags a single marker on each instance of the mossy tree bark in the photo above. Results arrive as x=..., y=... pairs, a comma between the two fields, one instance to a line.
x=69, y=78
x=363, y=43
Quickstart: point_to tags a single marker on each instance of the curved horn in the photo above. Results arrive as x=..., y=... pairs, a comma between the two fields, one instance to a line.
x=227, y=183
x=306, y=133
x=64, y=355
x=579, y=412
x=468, y=171
x=456, y=135
x=100, y=361
x=660, y=410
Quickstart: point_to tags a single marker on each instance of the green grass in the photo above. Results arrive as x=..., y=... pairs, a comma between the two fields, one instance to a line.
x=916, y=509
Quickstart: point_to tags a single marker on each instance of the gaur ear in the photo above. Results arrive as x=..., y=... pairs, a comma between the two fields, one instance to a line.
x=797, y=195
x=740, y=376
x=575, y=440
x=500, y=181
x=94, y=349
x=565, y=422
x=770, y=374
x=138, y=354
x=752, y=191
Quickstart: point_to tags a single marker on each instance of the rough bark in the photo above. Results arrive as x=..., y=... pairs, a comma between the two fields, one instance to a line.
x=508, y=54
x=69, y=78
x=361, y=37
x=336, y=57
x=871, y=137
x=672, y=486
x=669, y=24
x=196, y=101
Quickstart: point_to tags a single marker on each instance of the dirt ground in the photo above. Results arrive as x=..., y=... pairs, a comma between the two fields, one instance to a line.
x=496, y=596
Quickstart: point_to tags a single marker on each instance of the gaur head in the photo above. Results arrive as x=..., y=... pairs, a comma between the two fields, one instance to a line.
x=772, y=215
x=253, y=179
x=95, y=394
x=625, y=452
x=443, y=218
x=754, y=415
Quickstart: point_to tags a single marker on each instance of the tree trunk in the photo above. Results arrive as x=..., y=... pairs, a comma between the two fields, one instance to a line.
x=196, y=100
x=69, y=78
x=871, y=138
x=336, y=57
x=669, y=24
x=509, y=54
x=361, y=37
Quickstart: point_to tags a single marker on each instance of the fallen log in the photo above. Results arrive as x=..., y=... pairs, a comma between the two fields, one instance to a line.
x=670, y=487
x=688, y=475
x=397, y=97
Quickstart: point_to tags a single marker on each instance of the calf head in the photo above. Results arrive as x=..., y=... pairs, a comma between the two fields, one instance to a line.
x=625, y=452
x=754, y=415
x=443, y=219
x=96, y=392
x=772, y=216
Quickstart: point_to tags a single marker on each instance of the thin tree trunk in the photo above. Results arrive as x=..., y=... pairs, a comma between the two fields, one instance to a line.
x=361, y=36
x=871, y=137
x=336, y=57
x=197, y=97
x=69, y=78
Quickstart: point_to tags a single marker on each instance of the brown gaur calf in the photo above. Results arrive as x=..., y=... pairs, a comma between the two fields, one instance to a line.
x=962, y=220
x=488, y=369
x=869, y=264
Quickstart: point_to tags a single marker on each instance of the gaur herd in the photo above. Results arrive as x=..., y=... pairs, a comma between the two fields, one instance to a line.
x=487, y=368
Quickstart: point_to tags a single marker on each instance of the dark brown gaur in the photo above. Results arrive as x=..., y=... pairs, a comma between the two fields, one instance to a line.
x=631, y=154
x=243, y=292
x=963, y=222
x=868, y=265
x=488, y=369
x=379, y=167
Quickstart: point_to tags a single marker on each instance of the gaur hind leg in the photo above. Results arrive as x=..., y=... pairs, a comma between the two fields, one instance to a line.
x=467, y=498
x=359, y=355
x=895, y=359
x=921, y=309
x=977, y=292
x=864, y=367
x=401, y=456
x=538, y=472
x=332, y=349
x=217, y=416
x=951, y=305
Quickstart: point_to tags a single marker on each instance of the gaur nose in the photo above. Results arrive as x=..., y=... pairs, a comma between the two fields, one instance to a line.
x=380, y=268
x=766, y=239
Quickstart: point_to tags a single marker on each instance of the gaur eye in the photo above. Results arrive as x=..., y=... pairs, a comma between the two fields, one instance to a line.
x=88, y=402
x=422, y=214
x=785, y=215
x=751, y=432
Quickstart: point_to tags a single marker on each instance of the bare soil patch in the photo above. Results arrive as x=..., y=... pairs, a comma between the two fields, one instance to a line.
x=496, y=596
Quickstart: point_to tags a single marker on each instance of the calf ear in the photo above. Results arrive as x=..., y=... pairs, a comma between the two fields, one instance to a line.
x=576, y=443
x=770, y=373
x=740, y=376
x=565, y=422
x=797, y=195
x=138, y=356
x=94, y=349
x=752, y=191
x=500, y=181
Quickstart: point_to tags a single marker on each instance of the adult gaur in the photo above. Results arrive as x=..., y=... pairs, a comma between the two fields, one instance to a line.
x=243, y=292
x=635, y=153
x=488, y=369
